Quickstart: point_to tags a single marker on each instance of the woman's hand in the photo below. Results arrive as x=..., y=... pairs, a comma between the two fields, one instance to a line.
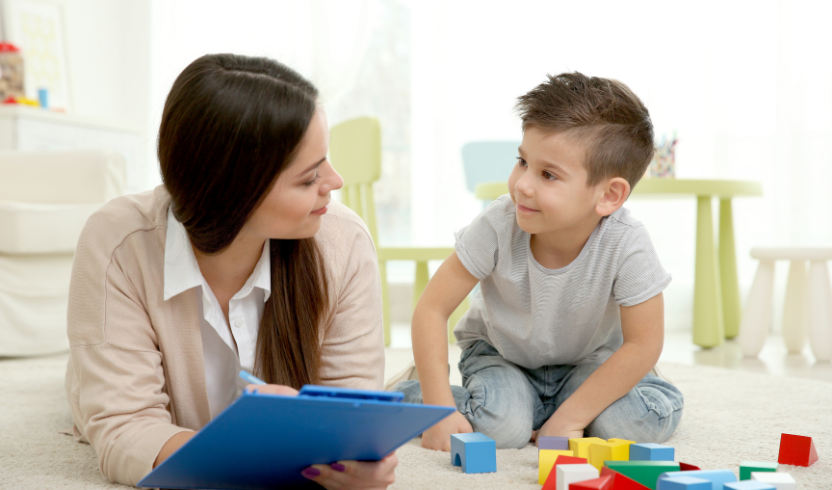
x=438, y=437
x=272, y=389
x=354, y=474
x=343, y=474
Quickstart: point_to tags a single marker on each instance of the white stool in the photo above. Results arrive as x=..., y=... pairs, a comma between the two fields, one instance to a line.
x=808, y=306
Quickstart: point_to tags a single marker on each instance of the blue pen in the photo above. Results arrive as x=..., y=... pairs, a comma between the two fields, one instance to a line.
x=251, y=378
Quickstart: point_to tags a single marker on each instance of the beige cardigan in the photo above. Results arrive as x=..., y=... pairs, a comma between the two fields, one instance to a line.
x=136, y=375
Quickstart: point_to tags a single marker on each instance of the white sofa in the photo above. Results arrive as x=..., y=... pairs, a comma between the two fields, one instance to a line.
x=45, y=199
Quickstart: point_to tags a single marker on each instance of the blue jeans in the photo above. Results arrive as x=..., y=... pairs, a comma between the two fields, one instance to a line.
x=506, y=402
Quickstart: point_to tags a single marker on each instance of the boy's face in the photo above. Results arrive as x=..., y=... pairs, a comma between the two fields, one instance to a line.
x=548, y=184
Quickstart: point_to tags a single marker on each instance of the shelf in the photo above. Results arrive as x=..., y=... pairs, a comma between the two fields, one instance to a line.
x=14, y=111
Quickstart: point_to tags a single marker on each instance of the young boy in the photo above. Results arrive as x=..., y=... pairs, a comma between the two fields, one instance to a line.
x=569, y=318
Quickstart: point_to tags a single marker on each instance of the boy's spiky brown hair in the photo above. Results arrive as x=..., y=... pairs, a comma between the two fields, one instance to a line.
x=605, y=114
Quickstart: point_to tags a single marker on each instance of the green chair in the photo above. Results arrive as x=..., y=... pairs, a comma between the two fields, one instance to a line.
x=355, y=152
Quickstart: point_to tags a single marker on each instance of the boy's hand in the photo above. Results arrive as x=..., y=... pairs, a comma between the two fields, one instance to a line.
x=438, y=437
x=557, y=426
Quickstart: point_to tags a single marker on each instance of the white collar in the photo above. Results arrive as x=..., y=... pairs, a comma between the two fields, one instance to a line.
x=182, y=270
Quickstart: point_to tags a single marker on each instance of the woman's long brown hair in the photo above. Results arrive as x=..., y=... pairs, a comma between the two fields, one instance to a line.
x=230, y=126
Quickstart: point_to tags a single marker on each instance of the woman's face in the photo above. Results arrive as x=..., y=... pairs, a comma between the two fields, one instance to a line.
x=298, y=199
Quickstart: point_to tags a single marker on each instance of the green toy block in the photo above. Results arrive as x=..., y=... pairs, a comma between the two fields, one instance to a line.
x=746, y=467
x=645, y=472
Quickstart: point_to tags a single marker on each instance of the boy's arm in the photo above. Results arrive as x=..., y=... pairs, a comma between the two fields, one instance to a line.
x=447, y=288
x=643, y=329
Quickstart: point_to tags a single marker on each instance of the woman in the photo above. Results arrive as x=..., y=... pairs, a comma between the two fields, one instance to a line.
x=239, y=261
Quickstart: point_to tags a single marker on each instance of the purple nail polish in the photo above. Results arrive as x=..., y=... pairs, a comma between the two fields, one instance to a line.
x=338, y=467
x=311, y=472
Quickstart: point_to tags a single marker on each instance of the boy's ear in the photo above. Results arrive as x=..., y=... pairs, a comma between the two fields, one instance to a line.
x=615, y=191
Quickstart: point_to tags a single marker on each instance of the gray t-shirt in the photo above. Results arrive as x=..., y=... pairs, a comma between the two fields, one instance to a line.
x=541, y=317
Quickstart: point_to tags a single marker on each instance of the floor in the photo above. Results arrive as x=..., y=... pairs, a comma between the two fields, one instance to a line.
x=678, y=348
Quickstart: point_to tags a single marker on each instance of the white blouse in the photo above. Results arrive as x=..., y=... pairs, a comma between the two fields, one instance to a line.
x=225, y=349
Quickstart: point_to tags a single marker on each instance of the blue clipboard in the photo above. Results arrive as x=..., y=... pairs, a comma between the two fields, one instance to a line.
x=265, y=441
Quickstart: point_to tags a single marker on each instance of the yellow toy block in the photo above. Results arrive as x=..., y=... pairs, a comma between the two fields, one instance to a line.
x=612, y=450
x=581, y=446
x=627, y=443
x=546, y=460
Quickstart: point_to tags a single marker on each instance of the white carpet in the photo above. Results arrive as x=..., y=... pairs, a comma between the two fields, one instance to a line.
x=729, y=417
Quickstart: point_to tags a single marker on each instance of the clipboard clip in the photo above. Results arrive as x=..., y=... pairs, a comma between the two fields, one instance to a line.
x=350, y=394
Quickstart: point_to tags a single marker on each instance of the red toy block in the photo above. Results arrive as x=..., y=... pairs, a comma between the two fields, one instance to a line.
x=797, y=450
x=570, y=460
x=603, y=483
x=621, y=482
x=552, y=479
x=688, y=467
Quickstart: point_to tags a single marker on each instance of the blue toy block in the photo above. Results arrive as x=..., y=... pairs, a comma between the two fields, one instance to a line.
x=651, y=452
x=550, y=442
x=685, y=483
x=749, y=485
x=718, y=478
x=475, y=452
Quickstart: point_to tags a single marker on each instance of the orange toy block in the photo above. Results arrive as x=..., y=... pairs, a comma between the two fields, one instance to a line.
x=581, y=446
x=795, y=450
x=612, y=450
x=551, y=482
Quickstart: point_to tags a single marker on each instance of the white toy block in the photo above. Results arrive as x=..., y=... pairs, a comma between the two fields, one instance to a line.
x=573, y=473
x=780, y=481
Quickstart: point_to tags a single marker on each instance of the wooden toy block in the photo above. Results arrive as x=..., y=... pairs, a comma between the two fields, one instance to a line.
x=546, y=460
x=797, y=450
x=475, y=452
x=581, y=446
x=623, y=441
x=622, y=482
x=746, y=467
x=685, y=483
x=549, y=442
x=651, y=452
x=600, y=483
x=716, y=477
x=573, y=473
x=780, y=481
x=551, y=474
x=644, y=472
x=609, y=451
x=688, y=467
x=748, y=485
